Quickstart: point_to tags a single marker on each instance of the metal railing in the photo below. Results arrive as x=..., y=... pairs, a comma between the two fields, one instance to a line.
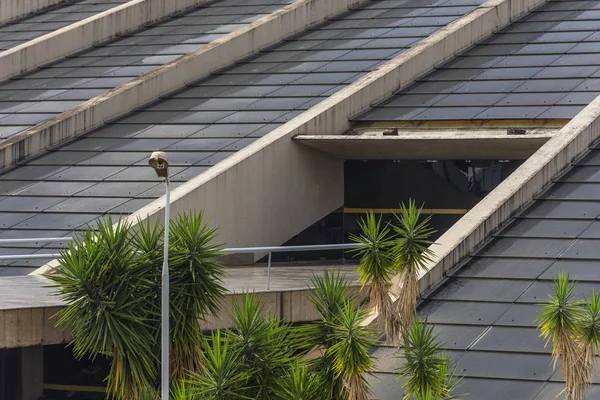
x=269, y=250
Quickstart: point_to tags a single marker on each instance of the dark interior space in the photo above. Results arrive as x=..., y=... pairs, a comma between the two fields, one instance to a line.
x=84, y=375
x=445, y=189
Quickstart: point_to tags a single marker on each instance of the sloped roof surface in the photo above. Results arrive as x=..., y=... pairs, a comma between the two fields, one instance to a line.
x=485, y=313
x=106, y=171
x=30, y=27
x=545, y=66
x=43, y=94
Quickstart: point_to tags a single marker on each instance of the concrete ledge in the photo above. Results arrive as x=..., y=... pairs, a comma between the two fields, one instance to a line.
x=15, y=9
x=35, y=326
x=274, y=188
x=218, y=54
x=428, y=146
x=86, y=33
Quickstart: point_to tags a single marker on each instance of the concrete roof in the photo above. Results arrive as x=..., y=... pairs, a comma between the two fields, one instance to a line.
x=544, y=66
x=41, y=95
x=105, y=170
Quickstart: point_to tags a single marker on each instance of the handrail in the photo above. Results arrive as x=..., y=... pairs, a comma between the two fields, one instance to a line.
x=35, y=240
x=235, y=250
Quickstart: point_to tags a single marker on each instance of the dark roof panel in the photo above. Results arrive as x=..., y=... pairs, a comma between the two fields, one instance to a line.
x=548, y=54
x=498, y=291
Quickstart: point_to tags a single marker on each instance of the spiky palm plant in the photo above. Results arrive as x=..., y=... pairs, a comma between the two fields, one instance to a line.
x=110, y=280
x=350, y=352
x=341, y=342
x=557, y=324
x=426, y=370
x=266, y=345
x=107, y=308
x=196, y=287
x=223, y=376
x=588, y=334
x=300, y=383
x=411, y=253
x=375, y=269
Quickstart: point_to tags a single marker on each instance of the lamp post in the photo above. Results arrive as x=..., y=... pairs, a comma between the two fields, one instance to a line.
x=158, y=161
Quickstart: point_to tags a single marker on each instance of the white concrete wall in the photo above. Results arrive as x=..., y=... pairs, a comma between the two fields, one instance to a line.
x=14, y=9
x=86, y=33
x=149, y=87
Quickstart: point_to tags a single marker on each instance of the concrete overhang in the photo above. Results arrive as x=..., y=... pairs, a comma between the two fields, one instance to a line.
x=438, y=144
x=28, y=304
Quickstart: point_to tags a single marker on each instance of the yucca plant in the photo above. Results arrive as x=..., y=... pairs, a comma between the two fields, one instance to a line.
x=110, y=280
x=339, y=340
x=350, y=352
x=267, y=346
x=587, y=328
x=223, y=376
x=411, y=253
x=110, y=308
x=426, y=370
x=558, y=324
x=196, y=287
x=179, y=391
x=331, y=291
x=300, y=383
x=375, y=269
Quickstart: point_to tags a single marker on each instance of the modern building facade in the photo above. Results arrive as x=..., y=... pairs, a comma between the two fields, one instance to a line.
x=284, y=121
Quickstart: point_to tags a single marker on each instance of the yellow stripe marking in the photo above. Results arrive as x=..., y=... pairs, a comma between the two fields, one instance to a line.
x=437, y=211
x=74, y=388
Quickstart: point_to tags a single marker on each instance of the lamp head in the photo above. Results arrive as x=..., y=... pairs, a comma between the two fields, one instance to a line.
x=158, y=161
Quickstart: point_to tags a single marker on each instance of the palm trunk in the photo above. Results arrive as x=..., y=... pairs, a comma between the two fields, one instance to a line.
x=408, y=297
x=570, y=354
x=356, y=387
x=183, y=362
x=385, y=307
x=583, y=371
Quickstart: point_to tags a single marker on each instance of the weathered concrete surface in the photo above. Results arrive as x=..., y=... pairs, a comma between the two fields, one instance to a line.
x=14, y=9
x=432, y=145
x=86, y=33
x=27, y=304
x=532, y=177
x=274, y=188
x=218, y=54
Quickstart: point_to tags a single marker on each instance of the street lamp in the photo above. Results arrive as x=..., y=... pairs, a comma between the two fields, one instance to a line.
x=158, y=161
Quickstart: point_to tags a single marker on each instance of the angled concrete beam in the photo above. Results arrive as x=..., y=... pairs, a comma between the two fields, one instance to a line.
x=269, y=191
x=218, y=54
x=428, y=146
x=87, y=33
x=15, y=9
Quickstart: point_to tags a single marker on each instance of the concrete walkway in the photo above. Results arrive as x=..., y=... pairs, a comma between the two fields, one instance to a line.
x=33, y=291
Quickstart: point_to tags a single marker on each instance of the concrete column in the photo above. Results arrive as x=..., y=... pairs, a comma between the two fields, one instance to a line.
x=32, y=372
